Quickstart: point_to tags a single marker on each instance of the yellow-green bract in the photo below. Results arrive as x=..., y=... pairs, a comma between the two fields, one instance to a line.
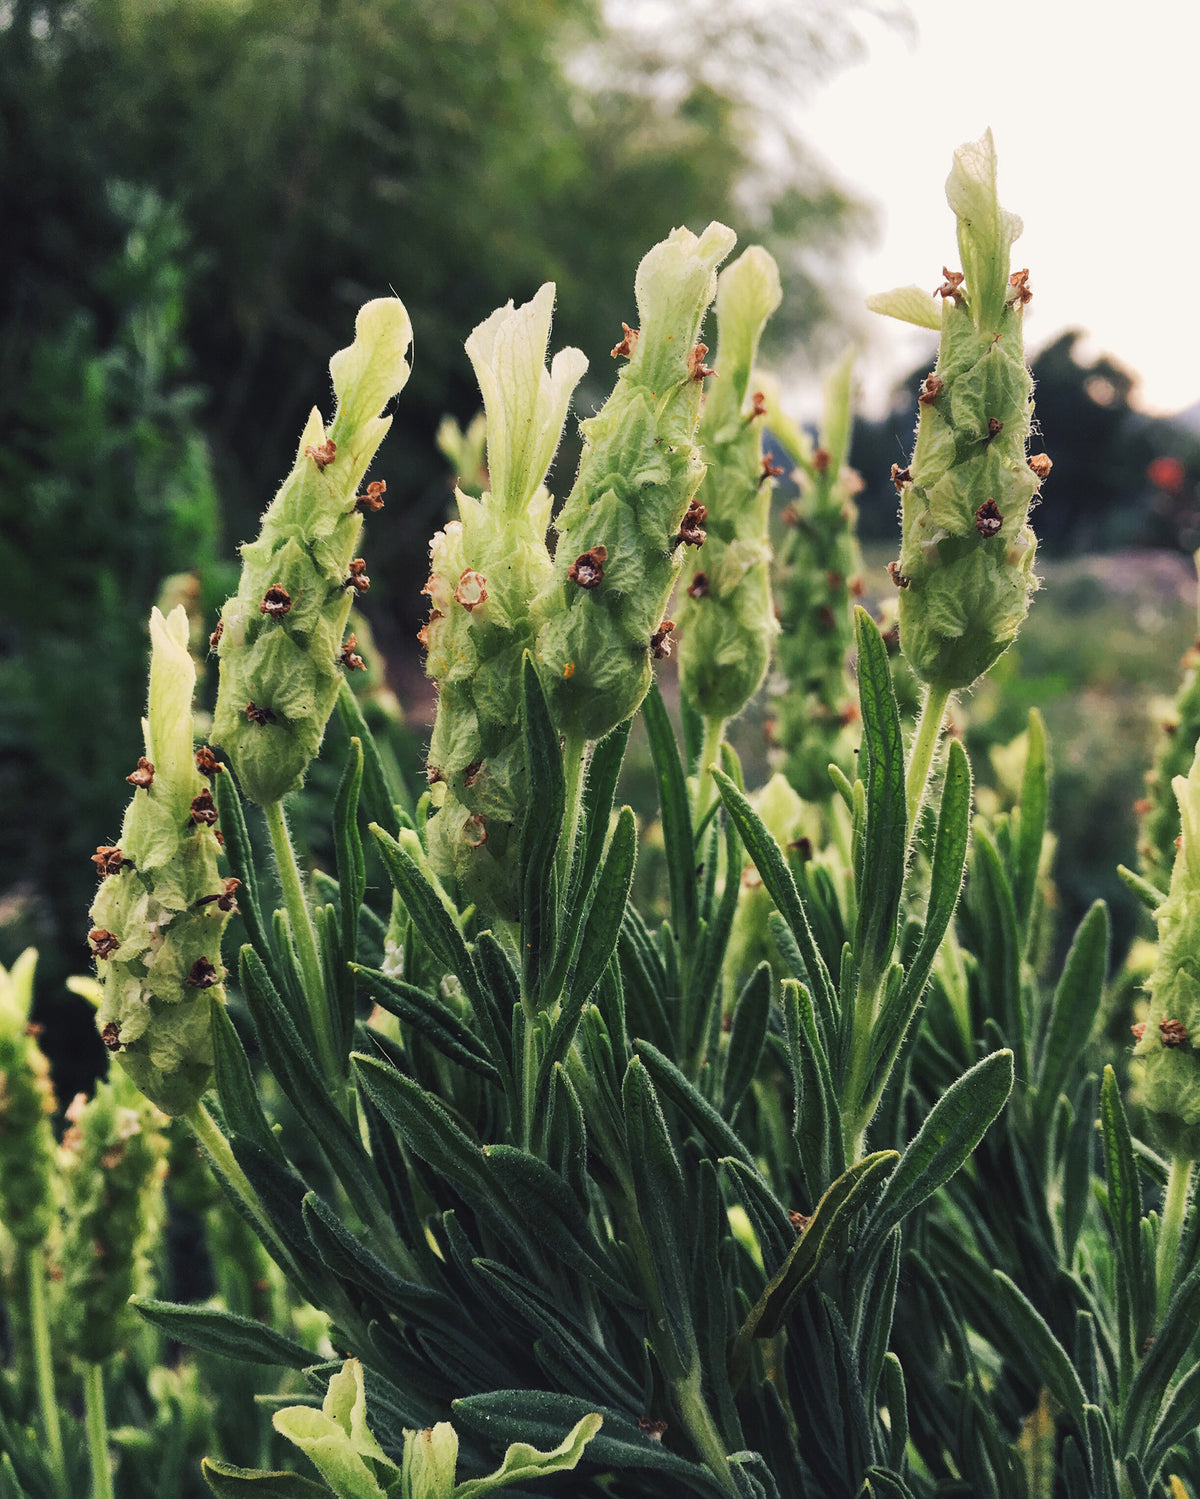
x=725, y=620
x=966, y=560
x=1170, y=1085
x=162, y=904
x=26, y=1108
x=485, y=569
x=620, y=549
x=280, y=640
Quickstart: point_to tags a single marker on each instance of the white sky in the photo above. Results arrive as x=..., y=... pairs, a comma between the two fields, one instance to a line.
x=1095, y=109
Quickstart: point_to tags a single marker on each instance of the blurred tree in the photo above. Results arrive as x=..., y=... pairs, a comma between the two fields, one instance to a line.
x=1120, y=478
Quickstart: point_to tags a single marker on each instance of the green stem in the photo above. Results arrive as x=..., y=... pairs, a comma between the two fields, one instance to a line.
x=97, y=1431
x=305, y=937
x=710, y=754
x=574, y=763
x=854, y=1124
x=43, y=1360
x=928, y=730
x=1179, y=1179
x=218, y=1148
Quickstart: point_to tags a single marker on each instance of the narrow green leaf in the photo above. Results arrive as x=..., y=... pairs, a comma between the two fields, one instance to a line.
x=771, y=865
x=1048, y=1362
x=540, y=830
x=708, y=1123
x=951, y=1131
x=895, y=1398
x=222, y=1333
x=1178, y=1418
x=383, y=788
x=1172, y=1339
x=1149, y=895
x=236, y=1087
x=599, y=940
x=1124, y=1185
x=747, y=1037
x=1074, y=1009
x=230, y=1482
x=425, y=1126
x=1034, y=799
x=240, y=853
x=817, y=1118
x=352, y=883
x=886, y=836
x=676, y=810
x=432, y=1018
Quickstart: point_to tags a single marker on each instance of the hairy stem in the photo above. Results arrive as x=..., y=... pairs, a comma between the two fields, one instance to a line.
x=710, y=754
x=929, y=729
x=217, y=1147
x=43, y=1359
x=305, y=937
x=97, y=1431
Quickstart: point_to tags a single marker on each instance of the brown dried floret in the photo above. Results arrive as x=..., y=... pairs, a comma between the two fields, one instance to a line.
x=202, y=975
x=143, y=776
x=203, y=810
x=952, y=286
x=691, y=529
x=769, y=469
x=821, y=460
x=799, y=1221
x=323, y=455
x=225, y=898
x=1139, y=1030
x=697, y=368
x=102, y=942
x=358, y=579
x=901, y=477
x=698, y=587
x=931, y=388
x=655, y=1430
x=349, y=659
x=372, y=497
x=475, y=830
x=471, y=590
x=995, y=427
x=276, y=602
x=588, y=568
x=988, y=519
x=111, y=1035
x=109, y=859
x=660, y=641
x=1041, y=464
x=1019, y=281
x=897, y=577
x=472, y=772
x=214, y=640
x=789, y=515
x=207, y=763
x=1173, y=1032
x=758, y=406
x=802, y=847
x=624, y=350
x=260, y=716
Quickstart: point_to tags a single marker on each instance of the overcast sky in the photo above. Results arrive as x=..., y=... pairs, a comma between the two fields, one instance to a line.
x=1093, y=105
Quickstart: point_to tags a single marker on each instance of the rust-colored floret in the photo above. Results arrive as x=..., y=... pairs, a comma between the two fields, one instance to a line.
x=260, y=716
x=358, y=579
x=931, y=388
x=624, y=350
x=798, y=1220
x=789, y=515
x=769, y=469
x=471, y=590
x=109, y=859
x=225, y=898
x=207, y=763
x=202, y=975
x=111, y=1035
x=655, y=1430
x=691, y=529
x=214, y=640
x=995, y=427
x=697, y=368
x=1173, y=1032
x=897, y=577
x=203, y=810
x=952, y=286
x=1041, y=464
x=143, y=776
x=802, y=847
x=1139, y=1030
x=698, y=587
x=471, y=774
x=588, y=568
x=475, y=830
x=821, y=460
x=758, y=406
x=1019, y=281
x=988, y=519
x=102, y=942
x=372, y=497
x=276, y=602
x=349, y=658
x=901, y=477
x=660, y=641
x=323, y=455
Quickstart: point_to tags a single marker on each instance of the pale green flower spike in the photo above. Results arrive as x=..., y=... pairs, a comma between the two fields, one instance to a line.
x=725, y=619
x=113, y=1162
x=622, y=531
x=339, y=1443
x=27, y=1174
x=966, y=560
x=1160, y=819
x=1167, y=1047
x=818, y=576
x=280, y=641
x=162, y=904
x=485, y=569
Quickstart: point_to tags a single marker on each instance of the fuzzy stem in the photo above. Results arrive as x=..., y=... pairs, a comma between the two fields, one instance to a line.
x=710, y=754
x=929, y=728
x=305, y=937
x=217, y=1146
x=574, y=763
x=43, y=1359
x=1174, y=1208
x=97, y=1431
x=856, y=1117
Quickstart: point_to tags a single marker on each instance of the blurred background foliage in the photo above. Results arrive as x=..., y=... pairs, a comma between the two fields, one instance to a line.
x=198, y=194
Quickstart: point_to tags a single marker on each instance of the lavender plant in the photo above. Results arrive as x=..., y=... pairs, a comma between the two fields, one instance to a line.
x=731, y=1203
